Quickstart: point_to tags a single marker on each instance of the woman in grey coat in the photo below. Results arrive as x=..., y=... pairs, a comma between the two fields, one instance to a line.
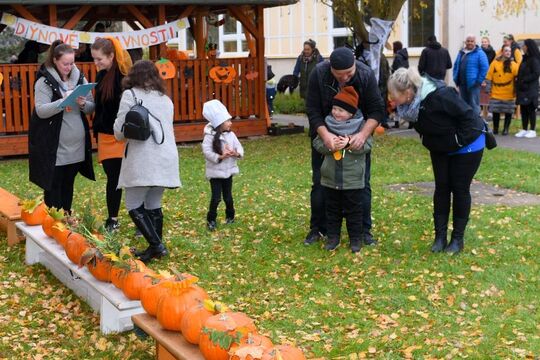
x=148, y=166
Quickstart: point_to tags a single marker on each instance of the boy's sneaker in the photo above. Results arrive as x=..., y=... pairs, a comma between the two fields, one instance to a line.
x=229, y=221
x=111, y=225
x=211, y=225
x=331, y=244
x=530, y=134
x=312, y=237
x=521, y=133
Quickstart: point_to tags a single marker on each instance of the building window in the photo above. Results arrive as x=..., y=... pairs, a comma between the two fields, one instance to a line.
x=421, y=22
x=232, y=38
x=229, y=27
x=341, y=35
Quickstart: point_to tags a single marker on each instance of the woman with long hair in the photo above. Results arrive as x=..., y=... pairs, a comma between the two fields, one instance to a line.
x=113, y=63
x=59, y=137
x=500, y=82
x=527, y=88
x=148, y=167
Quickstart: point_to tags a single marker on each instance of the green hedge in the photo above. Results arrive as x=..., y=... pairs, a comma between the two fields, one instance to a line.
x=289, y=104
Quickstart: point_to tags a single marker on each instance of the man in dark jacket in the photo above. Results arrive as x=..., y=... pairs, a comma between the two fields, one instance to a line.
x=324, y=83
x=434, y=60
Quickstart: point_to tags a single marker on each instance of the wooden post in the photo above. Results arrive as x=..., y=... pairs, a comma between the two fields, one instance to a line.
x=161, y=20
x=200, y=40
x=261, y=80
x=52, y=16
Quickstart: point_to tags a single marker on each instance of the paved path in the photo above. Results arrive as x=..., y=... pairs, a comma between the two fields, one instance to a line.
x=509, y=141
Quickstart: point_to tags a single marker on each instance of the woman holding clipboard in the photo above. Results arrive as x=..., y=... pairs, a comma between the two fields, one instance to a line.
x=58, y=136
x=113, y=63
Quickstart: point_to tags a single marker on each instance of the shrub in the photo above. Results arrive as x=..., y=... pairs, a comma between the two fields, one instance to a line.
x=289, y=104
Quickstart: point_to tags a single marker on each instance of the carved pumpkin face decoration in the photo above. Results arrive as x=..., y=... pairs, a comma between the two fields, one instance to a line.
x=252, y=75
x=166, y=69
x=222, y=74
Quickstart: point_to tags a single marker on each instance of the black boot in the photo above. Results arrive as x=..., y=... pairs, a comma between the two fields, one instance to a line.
x=143, y=221
x=156, y=216
x=506, y=125
x=441, y=231
x=356, y=245
x=456, y=240
x=495, y=126
x=331, y=243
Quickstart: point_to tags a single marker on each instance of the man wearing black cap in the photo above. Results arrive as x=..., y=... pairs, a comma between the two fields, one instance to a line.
x=324, y=83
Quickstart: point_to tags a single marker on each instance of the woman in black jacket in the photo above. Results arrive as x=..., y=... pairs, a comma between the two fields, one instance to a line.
x=112, y=64
x=58, y=136
x=452, y=133
x=527, y=88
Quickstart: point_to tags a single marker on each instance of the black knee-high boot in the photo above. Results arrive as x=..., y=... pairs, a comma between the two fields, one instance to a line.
x=441, y=231
x=458, y=233
x=144, y=223
x=507, y=120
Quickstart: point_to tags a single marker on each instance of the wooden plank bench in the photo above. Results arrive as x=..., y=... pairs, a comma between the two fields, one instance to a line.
x=114, y=308
x=169, y=344
x=10, y=212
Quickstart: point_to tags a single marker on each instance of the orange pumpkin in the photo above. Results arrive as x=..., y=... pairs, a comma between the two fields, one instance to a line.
x=166, y=69
x=251, y=347
x=284, y=352
x=151, y=295
x=175, y=302
x=60, y=233
x=252, y=75
x=53, y=217
x=134, y=281
x=232, y=326
x=195, y=317
x=33, y=212
x=379, y=130
x=222, y=74
x=117, y=276
x=76, y=245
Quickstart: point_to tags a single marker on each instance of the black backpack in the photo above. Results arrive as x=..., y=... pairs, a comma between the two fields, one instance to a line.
x=137, y=123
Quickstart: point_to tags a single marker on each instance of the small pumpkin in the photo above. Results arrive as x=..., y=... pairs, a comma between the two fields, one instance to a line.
x=33, y=211
x=53, y=217
x=379, y=130
x=76, y=245
x=220, y=332
x=251, y=347
x=97, y=264
x=60, y=233
x=252, y=75
x=222, y=74
x=151, y=295
x=166, y=69
x=135, y=280
x=118, y=276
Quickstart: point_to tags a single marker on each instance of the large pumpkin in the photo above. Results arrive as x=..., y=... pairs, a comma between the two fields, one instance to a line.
x=166, y=69
x=76, y=245
x=135, y=280
x=284, y=352
x=151, y=295
x=53, y=217
x=175, y=302
x=33, y=212
x=195, y=317
x=222, y=74
x=222, y=331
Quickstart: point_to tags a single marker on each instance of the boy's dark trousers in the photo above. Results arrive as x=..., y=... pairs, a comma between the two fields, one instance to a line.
x=219, y=187
x=344, y=204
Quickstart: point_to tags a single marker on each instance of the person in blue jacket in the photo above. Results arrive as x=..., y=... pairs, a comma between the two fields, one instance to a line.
x=470, y=69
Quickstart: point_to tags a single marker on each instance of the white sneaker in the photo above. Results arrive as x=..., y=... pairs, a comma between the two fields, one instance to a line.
x=530, y=134
x=521, y=133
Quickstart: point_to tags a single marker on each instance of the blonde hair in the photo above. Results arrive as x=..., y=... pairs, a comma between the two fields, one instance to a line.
x=404, y=79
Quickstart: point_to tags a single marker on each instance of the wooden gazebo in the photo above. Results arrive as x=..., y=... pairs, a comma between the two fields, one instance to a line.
x=244, y=96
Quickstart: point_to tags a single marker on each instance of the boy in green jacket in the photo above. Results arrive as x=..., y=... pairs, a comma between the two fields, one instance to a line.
x=342, y=171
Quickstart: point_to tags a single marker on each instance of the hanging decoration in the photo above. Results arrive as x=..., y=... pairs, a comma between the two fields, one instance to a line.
x=130, y=40
x=166, y=68
x=222, y=74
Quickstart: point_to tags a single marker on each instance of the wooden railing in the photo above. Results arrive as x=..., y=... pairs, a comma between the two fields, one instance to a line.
x=188, y=90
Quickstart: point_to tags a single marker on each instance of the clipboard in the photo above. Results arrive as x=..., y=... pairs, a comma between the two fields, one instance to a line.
x=80, y=90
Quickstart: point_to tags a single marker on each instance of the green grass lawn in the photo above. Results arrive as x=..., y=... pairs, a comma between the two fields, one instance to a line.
x=395, y=300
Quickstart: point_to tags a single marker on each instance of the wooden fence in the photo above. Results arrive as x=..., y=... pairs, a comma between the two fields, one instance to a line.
x=189, y=90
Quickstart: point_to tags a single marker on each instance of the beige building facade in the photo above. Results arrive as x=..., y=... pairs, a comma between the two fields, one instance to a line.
x=287, y=27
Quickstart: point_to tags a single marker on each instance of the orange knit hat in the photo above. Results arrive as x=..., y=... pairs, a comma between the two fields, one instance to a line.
x=347, y=99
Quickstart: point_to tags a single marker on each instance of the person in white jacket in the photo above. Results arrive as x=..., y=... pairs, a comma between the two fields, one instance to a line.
x=148, y=166
x=221, y=150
